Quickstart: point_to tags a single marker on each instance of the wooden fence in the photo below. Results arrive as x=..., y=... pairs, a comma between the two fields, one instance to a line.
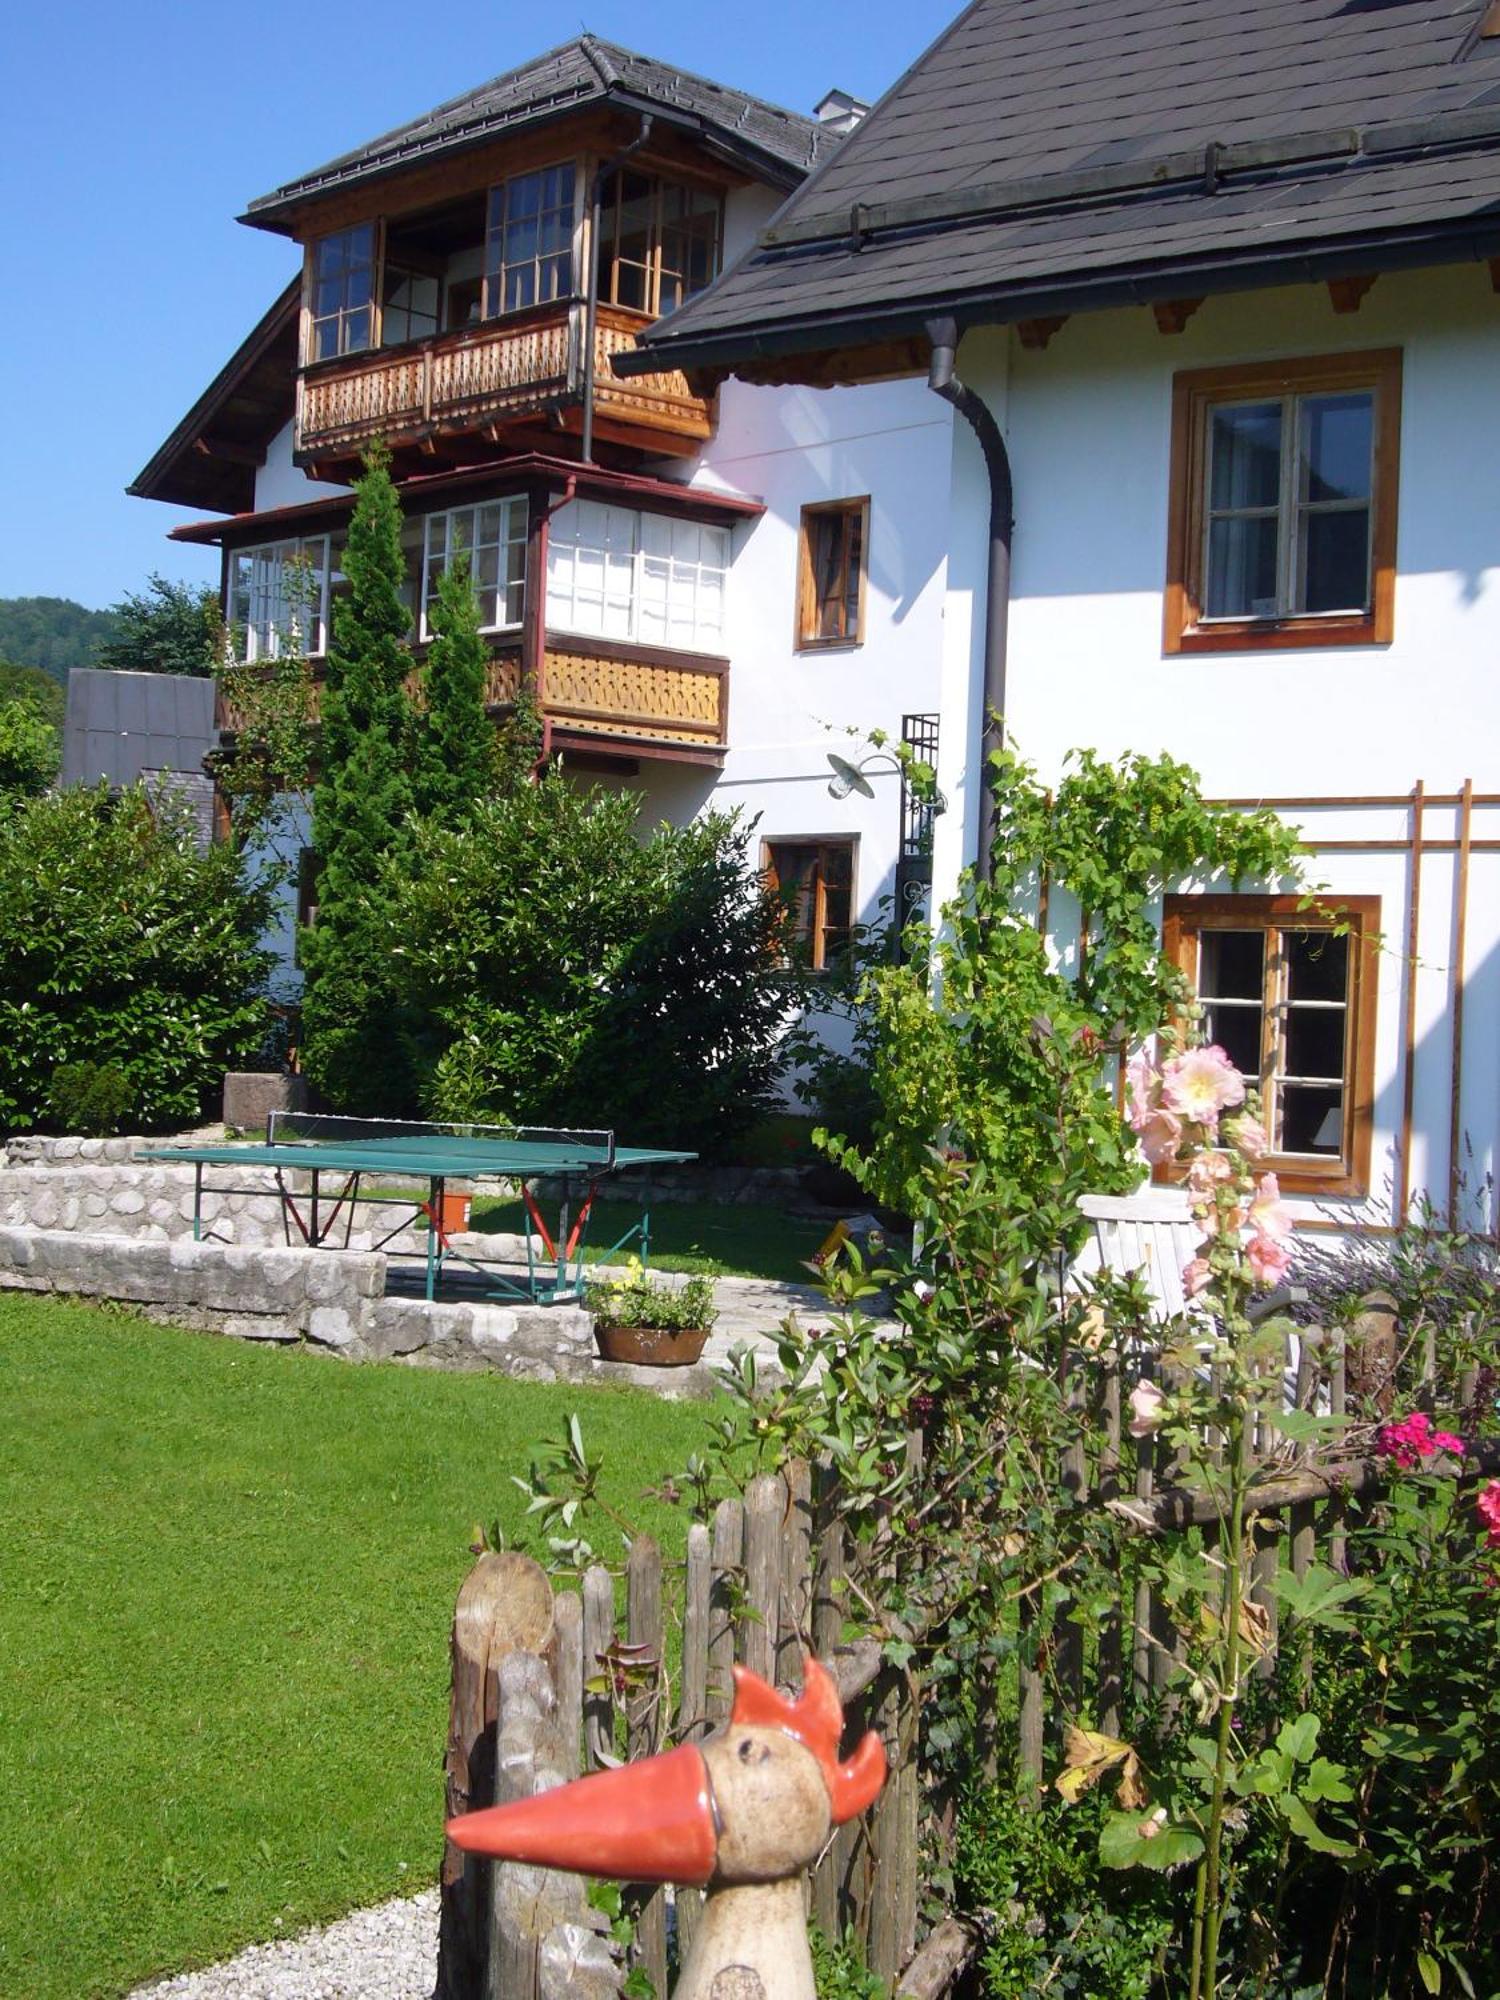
x=560, y=1683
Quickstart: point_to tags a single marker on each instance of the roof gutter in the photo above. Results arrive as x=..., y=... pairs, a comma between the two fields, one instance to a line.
x=943, y=334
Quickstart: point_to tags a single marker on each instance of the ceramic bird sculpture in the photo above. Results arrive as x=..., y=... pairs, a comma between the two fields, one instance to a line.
x=741, y=1814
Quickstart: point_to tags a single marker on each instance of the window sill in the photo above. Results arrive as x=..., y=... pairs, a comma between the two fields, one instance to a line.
x=828, y=645
x=1295, y=1175
x=1255, y=635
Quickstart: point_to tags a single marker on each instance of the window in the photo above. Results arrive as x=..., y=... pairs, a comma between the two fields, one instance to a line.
x=408, y=305
x=278, y=598
x=528, y=247
x=642, y=577
x=1283, y=504
x=831, y=573
x=493, y=536
x=658, y=241
x=341, y=314
x=817, y=879
x=1289, y=994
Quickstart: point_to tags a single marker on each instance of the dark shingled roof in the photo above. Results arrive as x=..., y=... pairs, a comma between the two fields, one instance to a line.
x=1051, y=155
x=778, y=145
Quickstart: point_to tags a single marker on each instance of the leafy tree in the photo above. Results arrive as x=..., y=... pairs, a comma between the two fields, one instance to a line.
x=52, y=633
x=125, y=945
x=454, y=765
x=41, y=692
x=354, y=1042
x=167, y=628
x=29, y=753
x=567, y=972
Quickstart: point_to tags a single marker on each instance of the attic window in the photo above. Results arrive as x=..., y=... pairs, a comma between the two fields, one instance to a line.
x=342, y=293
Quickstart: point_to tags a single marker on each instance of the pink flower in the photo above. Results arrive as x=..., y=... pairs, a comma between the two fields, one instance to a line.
x=1411, y=1439
x=1488, y=1507
x=1269, y=1259
x=1269, y=1214
x=1142, y=1080
x=1248, y=1135
x=1145, y=1409
x=1196, y=1277
x=1208, y=1171
x=1202, y=1083
x=1160, y=1136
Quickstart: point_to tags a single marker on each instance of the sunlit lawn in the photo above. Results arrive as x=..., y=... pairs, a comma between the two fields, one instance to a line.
x=226, y=1580
x=744, y=1239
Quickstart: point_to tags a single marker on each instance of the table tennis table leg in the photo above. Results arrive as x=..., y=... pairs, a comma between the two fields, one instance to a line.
x=198, y=1201
x=434, y=1255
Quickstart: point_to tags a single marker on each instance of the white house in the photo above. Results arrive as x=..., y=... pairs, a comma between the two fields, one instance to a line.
x=706, y=594
x=1219, y=282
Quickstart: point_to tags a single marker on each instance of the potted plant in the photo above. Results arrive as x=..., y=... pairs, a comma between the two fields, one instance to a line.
x=653, y=1322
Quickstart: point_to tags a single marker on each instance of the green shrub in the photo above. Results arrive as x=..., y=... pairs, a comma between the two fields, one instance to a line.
x=30, y=752
x=126, y=946
x=87, y=1097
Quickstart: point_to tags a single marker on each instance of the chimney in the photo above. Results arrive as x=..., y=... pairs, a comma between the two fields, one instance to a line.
x=840, y=112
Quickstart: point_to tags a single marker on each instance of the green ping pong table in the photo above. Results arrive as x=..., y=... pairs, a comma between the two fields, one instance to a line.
x=352, y=1150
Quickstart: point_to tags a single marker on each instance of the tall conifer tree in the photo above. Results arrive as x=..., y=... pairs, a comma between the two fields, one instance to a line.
x=354, y=1040
x=455, y=765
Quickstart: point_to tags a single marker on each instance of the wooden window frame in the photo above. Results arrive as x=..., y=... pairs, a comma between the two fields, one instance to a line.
x=312, y=319
x=1185, y=918
x=807, y=638
x=818, y=939
x=607, y=250
x=493, y=274
x=1194, y=394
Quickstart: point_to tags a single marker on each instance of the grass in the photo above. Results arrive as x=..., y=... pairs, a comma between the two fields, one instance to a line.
x=721, y=1239
x=225, y=1592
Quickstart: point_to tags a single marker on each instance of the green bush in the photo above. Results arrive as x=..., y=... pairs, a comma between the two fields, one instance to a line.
x=30, y=752
x=126, y=946
x=87, y=1097
x=559, y=970
x=638, y=1299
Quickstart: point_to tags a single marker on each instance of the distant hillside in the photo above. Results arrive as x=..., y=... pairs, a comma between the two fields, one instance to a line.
x=52, y=633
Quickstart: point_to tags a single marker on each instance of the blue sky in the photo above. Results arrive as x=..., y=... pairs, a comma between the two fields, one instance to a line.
x=136, y=130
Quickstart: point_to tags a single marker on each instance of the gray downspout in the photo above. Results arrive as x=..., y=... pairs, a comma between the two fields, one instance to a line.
x=591, y=308
x=943, y=334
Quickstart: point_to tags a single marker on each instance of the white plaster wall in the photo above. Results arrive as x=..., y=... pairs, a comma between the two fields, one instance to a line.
x=1088, y=424
x=279, y=483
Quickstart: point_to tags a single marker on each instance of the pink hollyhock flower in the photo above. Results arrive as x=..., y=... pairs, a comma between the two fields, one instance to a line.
x=1269, y=1214
x=1143, y=1082
x=1196, y=1277
x=1488, y=1508
x=1269, y=1259
x=1146, y=1402
x=1202, y=1083
x=1160, y=1136
x=1249, y=1135
x=1208, y=1171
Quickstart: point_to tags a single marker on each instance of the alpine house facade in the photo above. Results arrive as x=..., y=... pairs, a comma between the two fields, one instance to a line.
x=1216, y=290
x=706, y=591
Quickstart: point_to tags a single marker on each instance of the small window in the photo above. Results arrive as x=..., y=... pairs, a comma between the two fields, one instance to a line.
x=1283, y=506
x=528, y=251
x=832, y=560
x=816, y=879
x=493, y=536
x=1289, y=995
x=278, y=599
x=408, y=305
x=341, y=308
x=643, y=577
x=658, y=241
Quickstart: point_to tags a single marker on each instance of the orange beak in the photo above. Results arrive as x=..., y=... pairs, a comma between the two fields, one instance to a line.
x=646, y=1822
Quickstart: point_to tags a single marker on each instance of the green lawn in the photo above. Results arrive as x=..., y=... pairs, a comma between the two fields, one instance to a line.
x=226, y=1579
x=721, y=1238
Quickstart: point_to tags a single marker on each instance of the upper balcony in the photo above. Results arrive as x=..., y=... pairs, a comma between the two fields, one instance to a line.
x=528, y=365
x=472, y=319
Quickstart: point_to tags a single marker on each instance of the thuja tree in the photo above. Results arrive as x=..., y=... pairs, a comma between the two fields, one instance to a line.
x=354, y=1039
x=454, y=764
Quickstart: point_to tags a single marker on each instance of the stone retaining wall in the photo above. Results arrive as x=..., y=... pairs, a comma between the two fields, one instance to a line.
x=333, y=1300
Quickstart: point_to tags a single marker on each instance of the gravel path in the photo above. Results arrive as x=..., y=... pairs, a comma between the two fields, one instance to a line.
x=387, y=1953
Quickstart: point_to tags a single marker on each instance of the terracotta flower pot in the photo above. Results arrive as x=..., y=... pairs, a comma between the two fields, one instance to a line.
x=650, y=1346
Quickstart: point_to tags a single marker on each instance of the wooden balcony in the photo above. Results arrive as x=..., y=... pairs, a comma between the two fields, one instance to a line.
x=484, y=378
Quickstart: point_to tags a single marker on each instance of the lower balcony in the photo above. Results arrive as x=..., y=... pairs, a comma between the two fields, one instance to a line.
x=491, y=378
x=604, y=696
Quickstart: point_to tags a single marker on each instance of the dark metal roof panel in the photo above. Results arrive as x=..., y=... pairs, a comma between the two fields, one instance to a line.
x=120, y=726
x=577, y=73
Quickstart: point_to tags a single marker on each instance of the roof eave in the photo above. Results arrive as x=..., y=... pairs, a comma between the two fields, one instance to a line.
x=1471, y=241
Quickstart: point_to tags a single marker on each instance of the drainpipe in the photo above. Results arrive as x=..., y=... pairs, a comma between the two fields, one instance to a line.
x=943, y=334
x=591, y=309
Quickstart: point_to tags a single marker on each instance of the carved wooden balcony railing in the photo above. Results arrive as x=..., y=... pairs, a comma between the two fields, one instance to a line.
x=523, y=365
x=616, y=695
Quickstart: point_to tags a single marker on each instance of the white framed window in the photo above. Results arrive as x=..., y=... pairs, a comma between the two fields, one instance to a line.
x=278, y=598
x=493, y=536
x=643, y=577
